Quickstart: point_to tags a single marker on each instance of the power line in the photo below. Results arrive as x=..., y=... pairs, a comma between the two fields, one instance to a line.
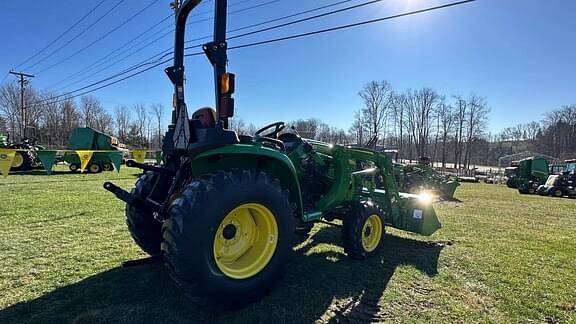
x=287, y=16
x=257, y=24
x=100, y=38
x=118, y=60
x=103, y=61
x=273, y=40
x=305, y=19
x=193, y=22
x=77, y=35
x=366, y=22
x=61, y=35
x=211, y=11
x=117, y=52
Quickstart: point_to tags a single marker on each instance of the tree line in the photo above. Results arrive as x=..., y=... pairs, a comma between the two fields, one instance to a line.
x=417, y=123
x=450, y=129
x=554, y=135
x=53, y=122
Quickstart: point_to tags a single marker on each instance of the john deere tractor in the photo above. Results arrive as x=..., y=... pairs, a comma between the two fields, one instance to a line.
x=25, y=157
x=562, y=184
x=224, y=211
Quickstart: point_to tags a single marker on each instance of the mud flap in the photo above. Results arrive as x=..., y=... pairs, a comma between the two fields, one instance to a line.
x=416, y=215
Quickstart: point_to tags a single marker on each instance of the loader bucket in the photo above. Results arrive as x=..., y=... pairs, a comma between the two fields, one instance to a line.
x=448, y=188
x=417, y=215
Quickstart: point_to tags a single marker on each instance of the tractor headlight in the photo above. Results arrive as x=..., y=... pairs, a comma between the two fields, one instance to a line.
x=425, y=197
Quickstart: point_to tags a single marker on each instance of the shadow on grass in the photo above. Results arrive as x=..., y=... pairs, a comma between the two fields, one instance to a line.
x=38, y=172
x=320, y=284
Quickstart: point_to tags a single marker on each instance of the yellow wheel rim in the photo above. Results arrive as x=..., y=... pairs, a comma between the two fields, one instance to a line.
x=94, y=168
x=18, y=160
x=371, y=233
x=245, y=241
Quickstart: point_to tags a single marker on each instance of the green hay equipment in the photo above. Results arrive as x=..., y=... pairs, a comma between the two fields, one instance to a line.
x=225, y=211
x=528, y=174
x=86, y=138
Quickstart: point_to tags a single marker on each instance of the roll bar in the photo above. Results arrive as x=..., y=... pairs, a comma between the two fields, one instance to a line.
x=216, y=53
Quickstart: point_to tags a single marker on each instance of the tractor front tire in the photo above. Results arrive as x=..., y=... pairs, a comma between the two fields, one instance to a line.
x=363, y=231
x=229, y=236
x=556, y=192
x=74, y=167
x=145, y=230
x=22, y=161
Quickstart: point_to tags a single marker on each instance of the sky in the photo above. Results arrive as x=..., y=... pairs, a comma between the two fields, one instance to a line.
x=518, y=54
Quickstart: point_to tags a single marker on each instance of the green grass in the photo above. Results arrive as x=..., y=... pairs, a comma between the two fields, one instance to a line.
x=500, y=257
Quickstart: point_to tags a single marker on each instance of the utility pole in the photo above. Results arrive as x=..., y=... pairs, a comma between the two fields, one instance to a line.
x=23, y=116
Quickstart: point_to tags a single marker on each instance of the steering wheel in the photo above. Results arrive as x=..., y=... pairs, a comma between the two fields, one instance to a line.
x=278, y=127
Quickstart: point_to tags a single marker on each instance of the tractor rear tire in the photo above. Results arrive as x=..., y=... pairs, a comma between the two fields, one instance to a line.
x=145, y=230
x=229, y=236
x=22, y=161
x=363, y=231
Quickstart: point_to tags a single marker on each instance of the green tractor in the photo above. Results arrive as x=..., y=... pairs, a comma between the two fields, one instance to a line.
x=224, y=212
x=562, y=184
x=528, y=174
x=421, y=177
x=25, y=157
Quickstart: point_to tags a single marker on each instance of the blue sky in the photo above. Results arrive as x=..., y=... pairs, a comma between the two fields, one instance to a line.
x=519, y=54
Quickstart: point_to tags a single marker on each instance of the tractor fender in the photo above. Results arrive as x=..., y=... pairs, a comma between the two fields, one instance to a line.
x=246, y=156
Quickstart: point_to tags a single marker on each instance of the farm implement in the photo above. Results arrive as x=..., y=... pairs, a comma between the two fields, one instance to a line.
x=417, y=178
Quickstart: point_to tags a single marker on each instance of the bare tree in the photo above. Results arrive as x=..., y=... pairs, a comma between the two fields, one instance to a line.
x=10, y=108
x=477, y=117
x=357, y=128
x=399, y=112
x=157, y=111
x=421, y=105
x=122, y=120
x=141, y=118
x=238, y=125
x=460, y=112
x=378, y=99
x=88, y=109
x=446, y=123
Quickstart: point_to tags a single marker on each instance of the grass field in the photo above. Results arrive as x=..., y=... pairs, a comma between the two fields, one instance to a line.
x=500, y=257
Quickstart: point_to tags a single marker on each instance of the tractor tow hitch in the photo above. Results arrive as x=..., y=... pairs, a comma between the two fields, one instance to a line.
x=130, y=199
x=146, y=167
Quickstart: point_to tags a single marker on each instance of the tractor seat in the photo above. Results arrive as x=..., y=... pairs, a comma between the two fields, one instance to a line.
x=206, y=116
x=291, y=141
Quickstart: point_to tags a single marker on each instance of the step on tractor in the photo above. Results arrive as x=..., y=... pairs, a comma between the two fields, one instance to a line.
x=224, y=212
